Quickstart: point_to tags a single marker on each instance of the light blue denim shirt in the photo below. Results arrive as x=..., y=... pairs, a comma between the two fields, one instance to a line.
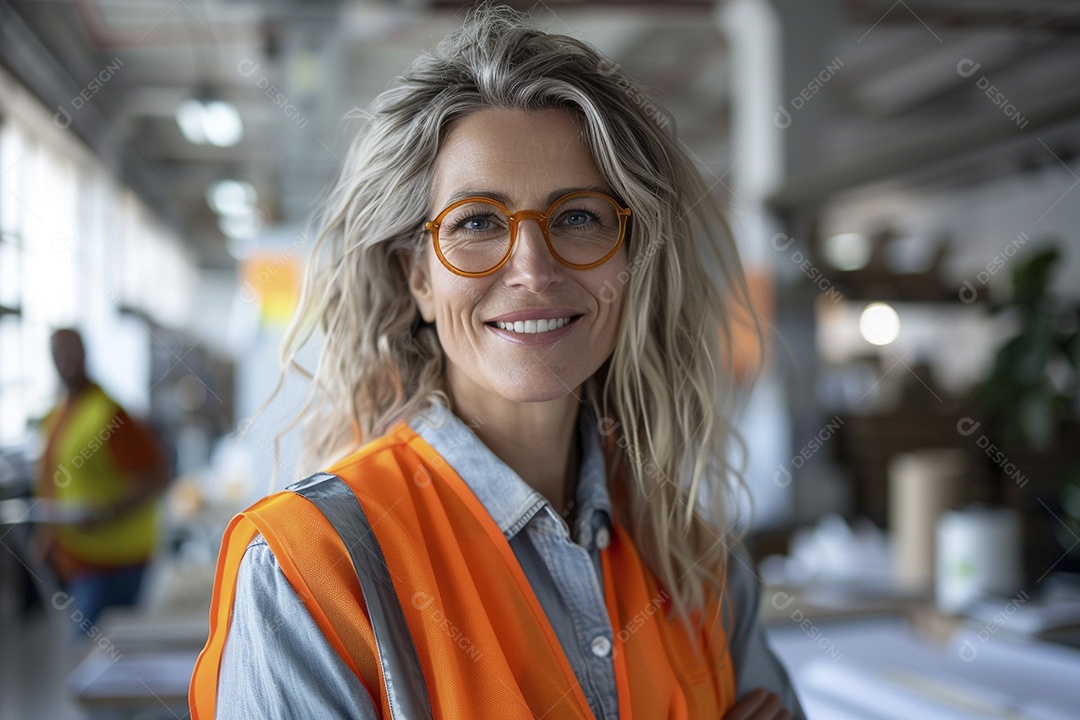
x=272, y=668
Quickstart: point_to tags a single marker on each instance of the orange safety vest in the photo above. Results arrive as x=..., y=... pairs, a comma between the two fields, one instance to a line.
x=471, y=631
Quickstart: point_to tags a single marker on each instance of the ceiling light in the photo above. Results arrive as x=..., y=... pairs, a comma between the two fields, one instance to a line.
x=239, y=227
x=221, y=123
x=210, y=122
x=231, y=197
x=189, y=117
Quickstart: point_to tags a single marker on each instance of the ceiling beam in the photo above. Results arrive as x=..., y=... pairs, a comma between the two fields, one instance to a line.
x=37, y=69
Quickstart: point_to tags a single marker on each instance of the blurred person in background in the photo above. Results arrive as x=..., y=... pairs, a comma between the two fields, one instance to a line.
x=102, y=472
x=523, y=403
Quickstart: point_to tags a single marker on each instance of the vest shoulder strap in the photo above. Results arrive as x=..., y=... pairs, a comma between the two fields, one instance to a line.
x=402, y=676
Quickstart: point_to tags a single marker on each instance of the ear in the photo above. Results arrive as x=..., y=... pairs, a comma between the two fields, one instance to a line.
x=415, y=270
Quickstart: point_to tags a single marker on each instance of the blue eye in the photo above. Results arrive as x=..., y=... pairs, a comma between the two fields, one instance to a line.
x=478, y=223
x=576, y=219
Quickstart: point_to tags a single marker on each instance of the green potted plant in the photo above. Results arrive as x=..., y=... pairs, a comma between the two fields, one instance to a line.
x=1032, y=395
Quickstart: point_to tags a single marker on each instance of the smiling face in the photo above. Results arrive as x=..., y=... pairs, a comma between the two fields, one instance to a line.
x=534, y=330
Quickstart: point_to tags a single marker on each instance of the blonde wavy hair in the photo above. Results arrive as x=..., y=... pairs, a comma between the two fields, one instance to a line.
x=664, y=396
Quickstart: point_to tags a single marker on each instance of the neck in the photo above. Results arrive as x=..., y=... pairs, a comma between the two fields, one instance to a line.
x=538, y=440
x=76, y=385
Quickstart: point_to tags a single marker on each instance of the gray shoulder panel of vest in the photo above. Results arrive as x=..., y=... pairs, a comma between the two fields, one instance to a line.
x=403, y=678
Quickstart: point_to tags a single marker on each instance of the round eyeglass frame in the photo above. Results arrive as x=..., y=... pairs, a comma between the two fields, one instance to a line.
x=514, y=219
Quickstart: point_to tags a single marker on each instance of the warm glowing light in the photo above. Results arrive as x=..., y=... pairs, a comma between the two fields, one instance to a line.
x=879, y=324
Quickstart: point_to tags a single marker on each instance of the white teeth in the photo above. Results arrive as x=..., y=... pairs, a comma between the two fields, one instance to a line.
x=531, y=327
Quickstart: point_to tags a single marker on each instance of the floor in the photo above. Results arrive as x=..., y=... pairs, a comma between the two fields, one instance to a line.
x=41, y=642
x=37, y=651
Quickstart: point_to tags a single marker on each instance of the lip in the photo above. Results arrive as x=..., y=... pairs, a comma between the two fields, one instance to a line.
x=544, y=338
x=544, y=313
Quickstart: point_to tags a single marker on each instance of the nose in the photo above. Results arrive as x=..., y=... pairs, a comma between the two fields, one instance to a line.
x=531, y=264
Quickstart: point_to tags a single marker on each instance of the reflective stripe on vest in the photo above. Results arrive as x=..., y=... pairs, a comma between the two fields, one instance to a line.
x=403, y=679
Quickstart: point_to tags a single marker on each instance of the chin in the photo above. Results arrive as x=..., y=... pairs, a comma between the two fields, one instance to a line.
x=514, y=381
x=537, y=387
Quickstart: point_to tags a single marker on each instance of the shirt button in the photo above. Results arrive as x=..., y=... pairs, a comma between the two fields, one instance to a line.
x=601, y=646
x=603, y=538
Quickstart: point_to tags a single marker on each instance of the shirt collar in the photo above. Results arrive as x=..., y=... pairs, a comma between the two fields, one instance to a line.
x=509, y=500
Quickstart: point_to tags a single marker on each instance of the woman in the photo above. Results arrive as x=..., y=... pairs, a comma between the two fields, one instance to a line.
x=519, y=308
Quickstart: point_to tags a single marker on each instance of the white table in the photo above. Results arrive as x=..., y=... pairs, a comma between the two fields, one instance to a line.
x=881, y=669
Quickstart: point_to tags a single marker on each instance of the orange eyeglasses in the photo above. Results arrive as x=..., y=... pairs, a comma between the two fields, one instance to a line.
x=475, y=236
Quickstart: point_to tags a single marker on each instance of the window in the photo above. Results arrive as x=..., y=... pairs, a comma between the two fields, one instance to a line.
x=75, y=247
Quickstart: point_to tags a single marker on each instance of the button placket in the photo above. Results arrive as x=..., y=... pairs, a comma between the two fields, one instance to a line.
x=575, y=574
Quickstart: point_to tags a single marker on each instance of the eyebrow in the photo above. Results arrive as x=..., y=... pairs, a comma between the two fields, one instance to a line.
x=505, y=200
